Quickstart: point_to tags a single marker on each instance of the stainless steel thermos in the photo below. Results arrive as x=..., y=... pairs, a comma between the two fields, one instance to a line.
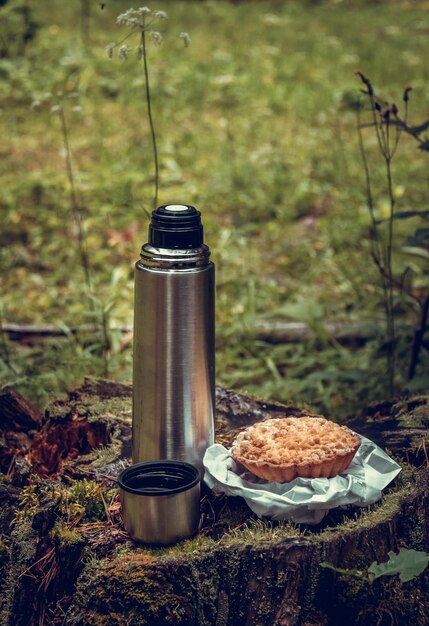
x=173, y=376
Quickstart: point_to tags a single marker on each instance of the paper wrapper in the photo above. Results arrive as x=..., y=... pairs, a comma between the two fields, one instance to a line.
x=303, y=500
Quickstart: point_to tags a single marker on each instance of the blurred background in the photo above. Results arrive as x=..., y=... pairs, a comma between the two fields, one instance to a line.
x=256, y=125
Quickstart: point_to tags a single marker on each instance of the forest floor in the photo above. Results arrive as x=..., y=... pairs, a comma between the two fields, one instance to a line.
x=256, y=125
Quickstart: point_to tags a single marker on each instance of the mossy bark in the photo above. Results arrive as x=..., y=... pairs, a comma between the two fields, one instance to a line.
x=64, y=557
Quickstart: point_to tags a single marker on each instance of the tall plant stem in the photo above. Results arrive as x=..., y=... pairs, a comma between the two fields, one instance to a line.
x=383, y=138
x=151, y=124
x=375, y=242
x=389, y=268
x=106, y=340
x=384, y=266
x=77, y=216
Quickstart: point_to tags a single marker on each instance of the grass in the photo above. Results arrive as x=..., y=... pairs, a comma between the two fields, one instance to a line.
x=255, y=126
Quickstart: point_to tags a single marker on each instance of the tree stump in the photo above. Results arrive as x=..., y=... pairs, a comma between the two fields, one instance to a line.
x=65, y=558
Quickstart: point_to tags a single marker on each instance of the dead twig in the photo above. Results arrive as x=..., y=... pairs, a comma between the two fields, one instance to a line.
x=106, y=508
x=43, y=558
x=422, y=446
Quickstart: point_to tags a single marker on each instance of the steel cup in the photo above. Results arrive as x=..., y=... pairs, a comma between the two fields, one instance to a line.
x=160, y=501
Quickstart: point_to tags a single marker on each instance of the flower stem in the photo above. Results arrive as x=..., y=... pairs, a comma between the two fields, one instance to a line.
x=76, y=212
x=389, y=268
x=151, y=124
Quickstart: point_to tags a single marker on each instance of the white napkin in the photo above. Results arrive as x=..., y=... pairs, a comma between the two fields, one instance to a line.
x=304, y=500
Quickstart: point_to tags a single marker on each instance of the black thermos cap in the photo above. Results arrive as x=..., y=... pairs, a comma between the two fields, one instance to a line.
x=176, y=226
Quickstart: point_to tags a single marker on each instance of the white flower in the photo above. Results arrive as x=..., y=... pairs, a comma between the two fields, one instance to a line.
x=123, y=17
x=162, y=15
x=134, y=18
x=123, y=51
x=156, y=37
x=186, y=39
x=55, y=109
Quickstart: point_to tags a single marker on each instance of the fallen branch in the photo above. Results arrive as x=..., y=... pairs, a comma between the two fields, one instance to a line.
x=279, y=331
x=17, y=332
x=274, y=331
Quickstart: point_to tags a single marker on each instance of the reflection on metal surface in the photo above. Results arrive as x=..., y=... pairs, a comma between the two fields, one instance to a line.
x=159, y=512
x=173, y=394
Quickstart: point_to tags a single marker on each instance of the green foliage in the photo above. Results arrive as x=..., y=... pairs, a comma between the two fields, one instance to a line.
x=83, y=499
x=65, y=536
x=29, y=502
x=388, y=125
x=356, y=573
x=407, y=563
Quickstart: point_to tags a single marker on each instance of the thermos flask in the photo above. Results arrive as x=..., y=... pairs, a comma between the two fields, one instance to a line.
x=173, y=362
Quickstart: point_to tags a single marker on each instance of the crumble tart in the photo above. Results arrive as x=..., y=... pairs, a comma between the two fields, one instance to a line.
x=282, y=449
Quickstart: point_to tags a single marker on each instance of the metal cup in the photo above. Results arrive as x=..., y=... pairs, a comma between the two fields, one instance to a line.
x=160, y=501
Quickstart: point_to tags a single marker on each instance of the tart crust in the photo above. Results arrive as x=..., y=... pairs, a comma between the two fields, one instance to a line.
x=282, y=449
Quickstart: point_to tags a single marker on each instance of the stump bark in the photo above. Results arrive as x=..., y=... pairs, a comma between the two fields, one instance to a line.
x=65, y=559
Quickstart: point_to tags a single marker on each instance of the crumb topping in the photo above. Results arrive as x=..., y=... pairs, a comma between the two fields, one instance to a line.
x=294, y=441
